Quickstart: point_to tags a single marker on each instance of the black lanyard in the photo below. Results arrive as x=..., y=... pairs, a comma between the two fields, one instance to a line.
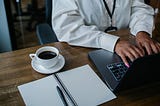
x=110, y=15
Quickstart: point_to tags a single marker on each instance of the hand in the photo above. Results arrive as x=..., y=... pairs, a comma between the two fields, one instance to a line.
x=148, y=44
x=127, y=50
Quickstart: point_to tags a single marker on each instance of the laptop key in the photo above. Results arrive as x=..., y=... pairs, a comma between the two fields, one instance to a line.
x=118, y=70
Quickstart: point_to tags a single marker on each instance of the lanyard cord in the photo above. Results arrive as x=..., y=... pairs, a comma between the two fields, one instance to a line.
x=109, y=12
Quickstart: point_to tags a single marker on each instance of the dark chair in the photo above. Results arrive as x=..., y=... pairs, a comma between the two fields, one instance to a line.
x=44, y=31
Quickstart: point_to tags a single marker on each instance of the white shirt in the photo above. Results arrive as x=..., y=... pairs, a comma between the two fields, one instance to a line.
x=82, y=22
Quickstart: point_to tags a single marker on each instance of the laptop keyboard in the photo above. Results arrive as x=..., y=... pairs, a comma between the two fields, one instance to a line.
x=118, y=70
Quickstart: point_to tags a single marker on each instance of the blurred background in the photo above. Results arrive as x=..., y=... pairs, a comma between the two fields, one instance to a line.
x=26, y=15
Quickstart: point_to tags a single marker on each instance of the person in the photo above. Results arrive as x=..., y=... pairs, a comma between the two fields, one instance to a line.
x=86, y=23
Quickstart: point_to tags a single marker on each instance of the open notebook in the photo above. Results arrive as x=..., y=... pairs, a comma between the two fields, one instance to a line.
x=80, y=85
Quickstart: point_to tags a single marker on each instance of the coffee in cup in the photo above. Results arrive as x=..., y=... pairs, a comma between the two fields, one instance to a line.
x=46, y=56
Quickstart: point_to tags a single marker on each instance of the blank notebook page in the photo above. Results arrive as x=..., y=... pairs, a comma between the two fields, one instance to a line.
x=85, y=86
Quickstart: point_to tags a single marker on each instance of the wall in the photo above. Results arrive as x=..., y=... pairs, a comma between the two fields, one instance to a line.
x=5, y=41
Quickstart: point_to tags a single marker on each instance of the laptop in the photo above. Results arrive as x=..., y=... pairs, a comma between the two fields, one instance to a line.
x=118, y=77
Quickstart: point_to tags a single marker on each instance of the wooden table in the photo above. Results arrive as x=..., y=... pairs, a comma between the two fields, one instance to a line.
x=15, y=69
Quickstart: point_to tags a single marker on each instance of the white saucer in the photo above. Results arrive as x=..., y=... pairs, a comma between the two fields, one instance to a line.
x=53, y=69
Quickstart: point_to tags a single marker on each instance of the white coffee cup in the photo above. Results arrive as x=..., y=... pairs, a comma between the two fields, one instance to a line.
x=46, y=56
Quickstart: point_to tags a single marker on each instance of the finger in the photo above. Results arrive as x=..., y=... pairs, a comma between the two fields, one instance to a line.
x=154, y=48
x=148, y=48
x=138, y=52
x=142, y=51
x=125, y=61
x=158, y=44
x=130, y=55
x=158, y=47
x=134, y=53
x=123, y=57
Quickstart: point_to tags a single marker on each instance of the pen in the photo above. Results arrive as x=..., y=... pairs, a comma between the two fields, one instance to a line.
x=62, y=96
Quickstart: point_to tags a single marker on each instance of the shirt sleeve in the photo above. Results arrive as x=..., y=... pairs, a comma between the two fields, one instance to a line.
x=142, y=17
x=70, y=27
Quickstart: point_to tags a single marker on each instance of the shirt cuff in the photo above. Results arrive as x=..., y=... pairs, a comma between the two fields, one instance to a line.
x=142, y=28
x=108, y=42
